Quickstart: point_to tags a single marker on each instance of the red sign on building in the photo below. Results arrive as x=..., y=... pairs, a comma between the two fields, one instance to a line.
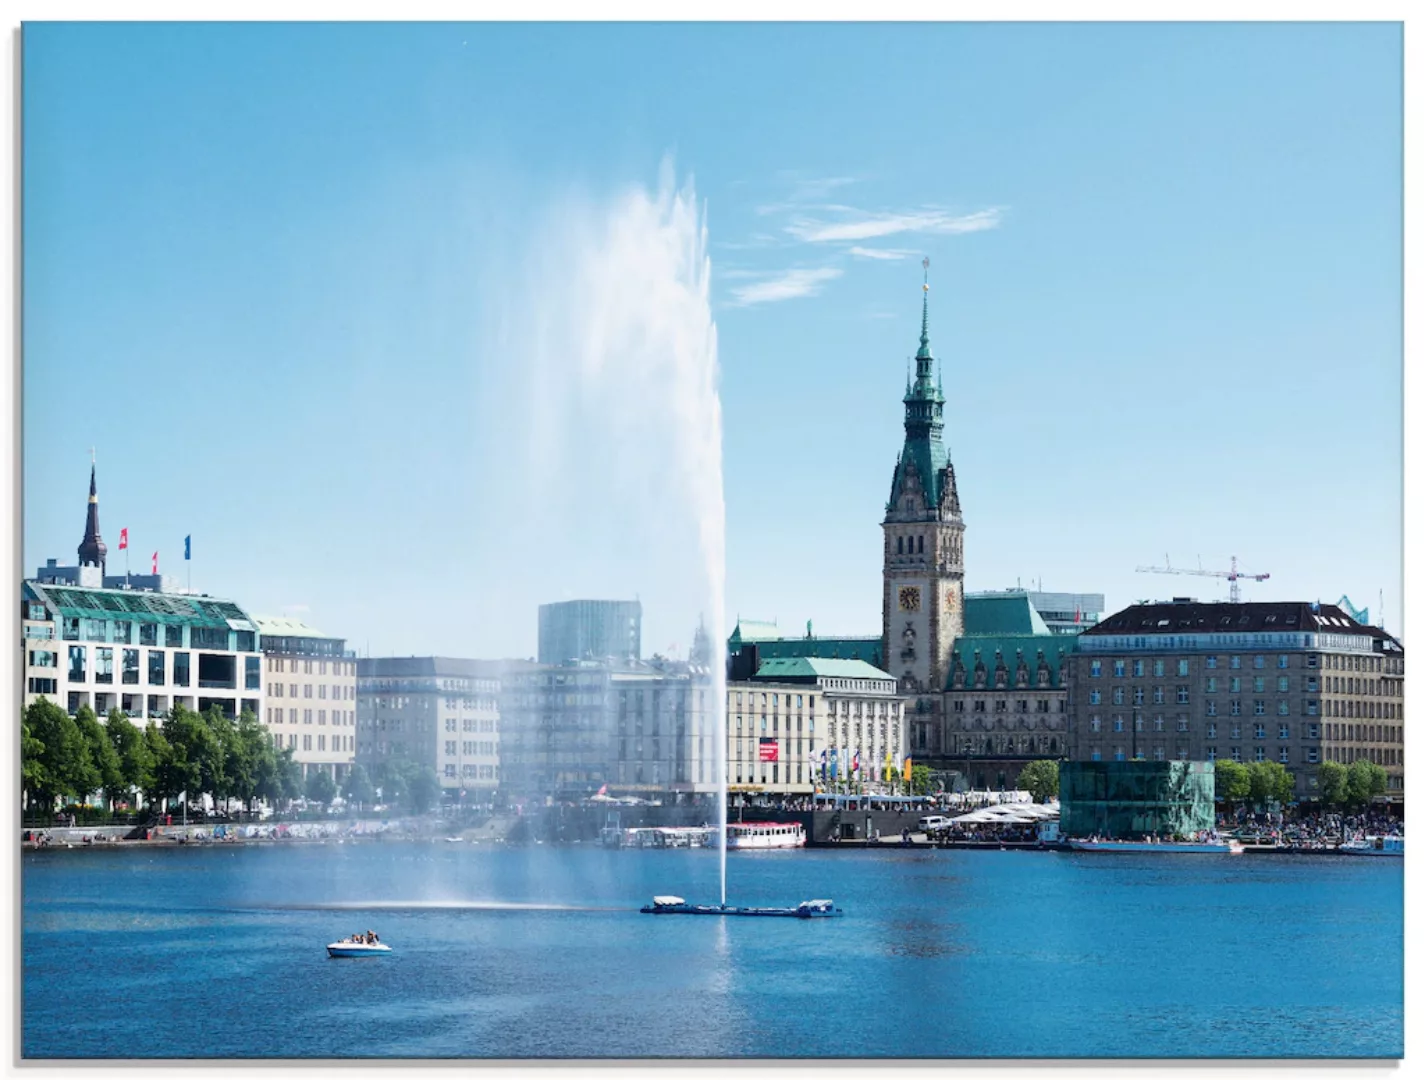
x=767, y=749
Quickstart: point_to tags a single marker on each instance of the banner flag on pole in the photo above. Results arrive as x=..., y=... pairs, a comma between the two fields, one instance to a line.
x=123, y=539
x=155, y=562
x=187, y=547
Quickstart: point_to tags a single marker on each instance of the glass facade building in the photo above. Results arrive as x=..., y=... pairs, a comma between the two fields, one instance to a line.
x=1131, y=799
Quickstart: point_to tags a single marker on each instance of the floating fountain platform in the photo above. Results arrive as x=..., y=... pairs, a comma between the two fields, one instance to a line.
x=807, y=909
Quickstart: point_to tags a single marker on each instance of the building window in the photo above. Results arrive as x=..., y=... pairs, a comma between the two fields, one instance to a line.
x=1259, y=662
x=1259, y=685
x=1138, y=669
x=1284, y=755
x=1260, y=754
x=1182, y=695
x=1138, y=695
x=1158, y=669
x=1118, y=723
x=1157, y=753
x=253, y=679
x=1096, y=754
x=1095, y=669
x=76, y=663
x=1212, y=731
x=1259, y=708
x=1095, y=698
x=1095, y=724
x=173, y=636
x=1118, y=754
x=306, y=742
x=1119, y=668
x=1211, y=663
x=1211, y=684
x=1235, y=663
x=307, y=716
x=1212, y=753
x=131, y=667
x=1283, y=707
x=450, y=747
x=1182, y=669
x=1118, y=695
x=1313, y=757
x=1158, y=723
x=1236, y=753
x=1234, y=707
x=155, y=667
x=1260, y=730
x=1283, y=684
x=1283, y=661
x=1312, y=661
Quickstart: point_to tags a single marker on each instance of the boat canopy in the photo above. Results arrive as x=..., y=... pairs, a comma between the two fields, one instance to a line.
x=668, y=901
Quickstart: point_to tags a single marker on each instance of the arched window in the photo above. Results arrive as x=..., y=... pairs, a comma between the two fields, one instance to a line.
x=921, y=545
x=900, y=545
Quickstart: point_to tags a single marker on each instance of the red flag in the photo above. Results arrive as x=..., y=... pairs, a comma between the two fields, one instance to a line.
x=1078, y=613
x=155, y=562
x=123, y=539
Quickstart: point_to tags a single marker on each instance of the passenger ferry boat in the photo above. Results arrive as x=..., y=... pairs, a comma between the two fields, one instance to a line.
x=1375, y=845
x=1201, y=847
x=750, y=835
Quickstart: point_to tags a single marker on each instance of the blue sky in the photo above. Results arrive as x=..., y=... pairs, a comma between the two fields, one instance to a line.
x=262, y=263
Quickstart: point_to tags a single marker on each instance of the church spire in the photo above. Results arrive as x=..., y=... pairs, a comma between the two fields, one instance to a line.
x=93, y=551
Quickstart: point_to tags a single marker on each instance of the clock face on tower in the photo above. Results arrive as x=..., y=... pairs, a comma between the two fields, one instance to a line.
x=950, y=603
x=910, y=598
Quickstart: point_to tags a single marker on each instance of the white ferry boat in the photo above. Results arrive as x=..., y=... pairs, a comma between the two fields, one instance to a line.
x=1375, y=845
x=1202, y=847
x=756, y=835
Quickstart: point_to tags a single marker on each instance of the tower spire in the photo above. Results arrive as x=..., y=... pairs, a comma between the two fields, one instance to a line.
x=924, y=352
x=92, y=550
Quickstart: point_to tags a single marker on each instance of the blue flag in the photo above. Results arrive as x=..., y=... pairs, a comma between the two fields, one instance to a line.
x=188, y=547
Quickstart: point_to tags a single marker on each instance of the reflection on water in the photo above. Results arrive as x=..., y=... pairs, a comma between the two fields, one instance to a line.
x=543, y=953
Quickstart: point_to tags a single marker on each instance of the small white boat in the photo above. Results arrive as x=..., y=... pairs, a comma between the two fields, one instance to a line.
x=1375, y=845
x=350, y=949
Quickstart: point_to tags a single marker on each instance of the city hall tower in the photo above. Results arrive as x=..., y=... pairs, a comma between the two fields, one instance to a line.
x=923, y=575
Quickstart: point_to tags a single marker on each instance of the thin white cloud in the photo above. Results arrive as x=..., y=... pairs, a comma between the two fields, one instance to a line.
x=870, y=226
x=879, y=253
x=788, y=285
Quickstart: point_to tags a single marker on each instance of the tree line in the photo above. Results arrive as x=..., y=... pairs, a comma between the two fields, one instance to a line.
x=188, y=756
x=1256, y=783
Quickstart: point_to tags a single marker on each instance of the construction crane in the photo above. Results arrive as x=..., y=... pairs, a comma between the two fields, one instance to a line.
x=1361, y=615
x=1233, y=576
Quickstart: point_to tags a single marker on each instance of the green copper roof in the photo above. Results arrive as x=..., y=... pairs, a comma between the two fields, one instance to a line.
x=802, y=667
x=924, y=452
x=68, y=601
x=1009, y=647
x=866, y=649
x=1002, y=613
x=748, y=630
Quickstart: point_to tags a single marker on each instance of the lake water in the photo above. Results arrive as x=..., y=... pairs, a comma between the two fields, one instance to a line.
x=218, y=952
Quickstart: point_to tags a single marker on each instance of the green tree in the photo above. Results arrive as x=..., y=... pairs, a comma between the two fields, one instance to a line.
x=1040, y=779
x=61, y=766
x=32, y=769
x=390, y=777
x=181, y=770
x=1268, y=781
x=1232, y=782
x=106, y=773
x=212, y=755
x=358, y=788
x=321, y=788
x=1364, y=779
x=136, y=761
x=247, y=743
x=423, y=790
x=920, y=779
x=1331, y=780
